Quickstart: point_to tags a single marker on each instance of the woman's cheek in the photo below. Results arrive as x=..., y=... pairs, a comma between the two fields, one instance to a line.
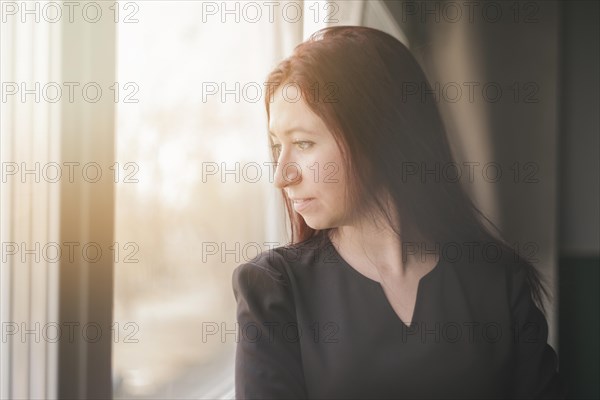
x=311, y=170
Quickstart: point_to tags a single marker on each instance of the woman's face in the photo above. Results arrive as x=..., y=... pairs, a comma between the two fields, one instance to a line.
x=309, y=164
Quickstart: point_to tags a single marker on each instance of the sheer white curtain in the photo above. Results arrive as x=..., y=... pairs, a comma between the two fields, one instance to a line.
x=28, y=282
x=44, y=129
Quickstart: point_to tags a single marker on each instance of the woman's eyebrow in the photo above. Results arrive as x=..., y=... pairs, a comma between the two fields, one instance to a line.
x=297, y=129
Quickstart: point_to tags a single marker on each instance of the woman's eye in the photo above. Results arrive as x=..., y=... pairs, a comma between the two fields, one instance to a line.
x=303, y=144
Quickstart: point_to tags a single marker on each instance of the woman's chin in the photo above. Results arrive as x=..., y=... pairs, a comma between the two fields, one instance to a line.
x=313, y=223
x=317, y=224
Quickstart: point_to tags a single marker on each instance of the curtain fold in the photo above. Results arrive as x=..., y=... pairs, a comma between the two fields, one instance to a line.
x=29, y=197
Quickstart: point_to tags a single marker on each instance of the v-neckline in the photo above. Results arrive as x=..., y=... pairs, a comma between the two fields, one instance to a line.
x=381, y=291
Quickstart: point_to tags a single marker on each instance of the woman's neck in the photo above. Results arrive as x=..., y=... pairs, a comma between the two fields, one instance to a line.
x=379, y=251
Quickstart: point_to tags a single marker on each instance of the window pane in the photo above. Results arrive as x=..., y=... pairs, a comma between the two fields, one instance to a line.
x=180, y=229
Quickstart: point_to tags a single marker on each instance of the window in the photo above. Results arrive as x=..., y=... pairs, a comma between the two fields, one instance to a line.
x=191, y=143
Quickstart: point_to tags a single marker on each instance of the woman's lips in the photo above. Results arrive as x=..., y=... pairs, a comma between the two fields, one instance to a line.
x=302, y=204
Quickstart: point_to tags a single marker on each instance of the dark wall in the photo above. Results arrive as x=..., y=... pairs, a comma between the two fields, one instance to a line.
x=580, y=143
x=579, y=216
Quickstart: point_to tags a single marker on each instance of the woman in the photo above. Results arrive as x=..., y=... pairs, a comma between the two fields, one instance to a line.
x=389, y=288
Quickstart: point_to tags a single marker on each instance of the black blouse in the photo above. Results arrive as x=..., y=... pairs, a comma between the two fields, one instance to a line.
x=311, y=326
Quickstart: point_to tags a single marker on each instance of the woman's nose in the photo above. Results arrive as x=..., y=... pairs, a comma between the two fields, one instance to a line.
x=287, y=173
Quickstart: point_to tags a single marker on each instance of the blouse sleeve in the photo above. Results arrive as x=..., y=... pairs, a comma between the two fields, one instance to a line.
x=536, y=372
x=267, y=362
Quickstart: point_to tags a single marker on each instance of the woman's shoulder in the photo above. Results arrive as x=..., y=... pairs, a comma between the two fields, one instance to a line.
x=280, y=263
x=488, y=267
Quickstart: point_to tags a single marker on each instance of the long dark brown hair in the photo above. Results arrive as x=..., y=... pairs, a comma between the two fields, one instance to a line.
x=354, y=78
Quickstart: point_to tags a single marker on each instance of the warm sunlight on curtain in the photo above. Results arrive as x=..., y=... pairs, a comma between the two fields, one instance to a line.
x=28, y=278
